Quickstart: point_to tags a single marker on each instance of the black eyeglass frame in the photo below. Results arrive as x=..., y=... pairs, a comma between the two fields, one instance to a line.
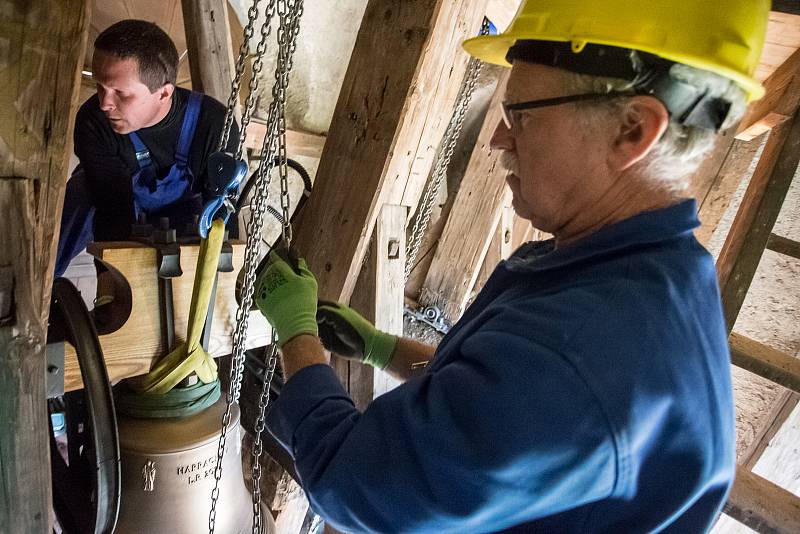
x=508, y=118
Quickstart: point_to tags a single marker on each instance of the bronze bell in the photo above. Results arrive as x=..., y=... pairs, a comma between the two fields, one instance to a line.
x=168, y=474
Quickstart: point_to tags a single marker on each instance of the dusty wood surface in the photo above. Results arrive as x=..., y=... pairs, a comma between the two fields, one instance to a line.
x=388, y=97
x=472, y=219
x=43, y=45
x=208, y=41
x=132, y=349
x=762, y=505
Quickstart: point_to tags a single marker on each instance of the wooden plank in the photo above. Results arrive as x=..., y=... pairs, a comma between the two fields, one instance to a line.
x=208, y=40
x=740, y=255
x=132, y=349
x=43, y=45
x=388, y=98
x=468, y=230
x=762, y=505
x=783, y=245
x=765, y=361
x=298, y=143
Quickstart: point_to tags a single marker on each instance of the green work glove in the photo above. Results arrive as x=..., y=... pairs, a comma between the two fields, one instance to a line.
x=346, y=333
x=287, y=297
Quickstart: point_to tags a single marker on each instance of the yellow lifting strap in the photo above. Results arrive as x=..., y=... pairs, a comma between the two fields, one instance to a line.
x=190, y=356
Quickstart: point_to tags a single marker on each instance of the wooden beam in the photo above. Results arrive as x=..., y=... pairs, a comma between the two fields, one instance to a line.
x=395, y=100
x=208, y=40
x=783, y=245
x=760, y=207
x=43, y=47
x=765, y=361
x=469, y=227
x=762, y=505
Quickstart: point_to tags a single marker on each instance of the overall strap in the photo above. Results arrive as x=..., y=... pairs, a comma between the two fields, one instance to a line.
x=187, y=129
x=142, y=153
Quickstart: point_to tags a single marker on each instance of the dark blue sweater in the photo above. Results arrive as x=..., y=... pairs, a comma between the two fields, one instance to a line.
x=587, y=389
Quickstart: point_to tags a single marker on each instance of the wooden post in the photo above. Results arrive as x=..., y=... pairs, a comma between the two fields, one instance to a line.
x=208, y=41
x=43, y=47
x=395, y=101
x=379, y=296
x=472, y=220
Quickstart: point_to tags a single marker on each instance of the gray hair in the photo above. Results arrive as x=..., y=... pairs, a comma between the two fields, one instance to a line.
x=673, y=160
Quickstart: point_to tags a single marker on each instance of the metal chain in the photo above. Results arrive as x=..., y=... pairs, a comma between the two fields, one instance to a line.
x=287, y=37
x=250, y=103
x=289, y=13
x=443, y=158
x=244, y=50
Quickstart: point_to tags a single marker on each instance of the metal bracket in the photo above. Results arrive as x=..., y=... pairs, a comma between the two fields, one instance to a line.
x=6, y=295
x=430, y=315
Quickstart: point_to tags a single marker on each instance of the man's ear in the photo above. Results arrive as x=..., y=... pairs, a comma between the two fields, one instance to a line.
x=644, y=120
x=165, y=91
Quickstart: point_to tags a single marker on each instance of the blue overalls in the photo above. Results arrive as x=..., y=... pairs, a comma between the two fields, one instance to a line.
x=170, y=196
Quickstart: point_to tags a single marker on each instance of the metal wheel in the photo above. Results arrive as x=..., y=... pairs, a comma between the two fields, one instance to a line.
x=86, y=478
x=245, y=197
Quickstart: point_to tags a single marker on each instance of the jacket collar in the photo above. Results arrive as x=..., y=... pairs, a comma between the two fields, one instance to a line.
x=645, y=228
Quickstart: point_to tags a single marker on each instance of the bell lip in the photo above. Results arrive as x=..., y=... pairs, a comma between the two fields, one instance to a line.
x=493, y=49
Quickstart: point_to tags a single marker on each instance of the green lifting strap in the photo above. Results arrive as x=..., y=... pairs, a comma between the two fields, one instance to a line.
x=155, y=394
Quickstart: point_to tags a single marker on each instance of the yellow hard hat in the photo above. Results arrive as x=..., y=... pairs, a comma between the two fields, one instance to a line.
x=723, y=37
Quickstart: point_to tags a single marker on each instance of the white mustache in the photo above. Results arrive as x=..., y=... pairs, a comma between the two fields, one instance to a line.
x=508, y=160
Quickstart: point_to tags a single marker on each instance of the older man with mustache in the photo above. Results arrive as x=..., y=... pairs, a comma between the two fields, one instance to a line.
x=587, y=388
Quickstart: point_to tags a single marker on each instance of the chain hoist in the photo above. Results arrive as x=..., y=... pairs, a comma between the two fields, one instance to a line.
x=289, y=13
x=442, y=161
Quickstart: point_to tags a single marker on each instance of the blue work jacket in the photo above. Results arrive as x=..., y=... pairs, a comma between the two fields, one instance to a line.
x=587, y=389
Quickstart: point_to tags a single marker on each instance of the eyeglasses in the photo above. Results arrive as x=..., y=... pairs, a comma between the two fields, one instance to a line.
x=509, y=109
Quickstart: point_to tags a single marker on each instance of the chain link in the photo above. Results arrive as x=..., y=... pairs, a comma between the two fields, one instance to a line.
x=289, y=12
x=443, y=158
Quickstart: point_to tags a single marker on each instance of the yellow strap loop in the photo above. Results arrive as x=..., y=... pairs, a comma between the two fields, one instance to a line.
x=190, y=356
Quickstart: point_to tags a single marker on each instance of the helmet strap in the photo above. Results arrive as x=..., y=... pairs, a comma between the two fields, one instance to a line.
x=648, y=74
